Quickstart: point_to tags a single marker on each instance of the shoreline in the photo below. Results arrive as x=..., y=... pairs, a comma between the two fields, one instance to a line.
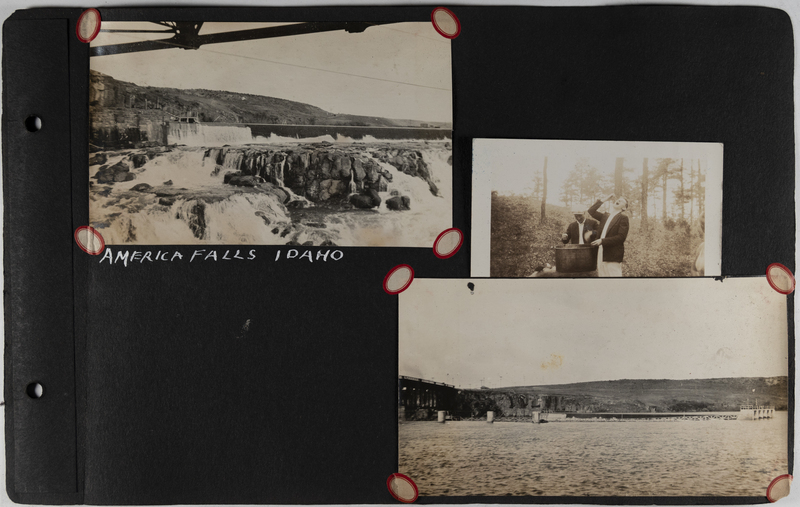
x=634, y=417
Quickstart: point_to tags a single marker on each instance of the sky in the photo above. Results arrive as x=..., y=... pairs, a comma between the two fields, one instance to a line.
x=557, y=331
x=398, y=71
x=514, y=162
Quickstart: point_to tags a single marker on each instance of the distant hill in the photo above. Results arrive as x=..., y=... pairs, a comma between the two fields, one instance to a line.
x=229, y=107
x=665, y=395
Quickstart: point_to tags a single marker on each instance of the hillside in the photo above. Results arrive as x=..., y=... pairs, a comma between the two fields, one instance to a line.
x=228, y=107
x=720, y=394
x=519, y=243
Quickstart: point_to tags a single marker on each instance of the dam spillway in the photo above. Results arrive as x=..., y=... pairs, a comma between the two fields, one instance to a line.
x=755, y=412
x=218, y=134
x=348, y=132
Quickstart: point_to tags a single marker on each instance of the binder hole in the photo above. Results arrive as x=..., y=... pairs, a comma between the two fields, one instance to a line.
x=33, y=123
x=35, y=390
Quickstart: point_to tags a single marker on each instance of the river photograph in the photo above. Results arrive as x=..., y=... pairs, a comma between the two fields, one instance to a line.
x=593, y=388
x=323, y=134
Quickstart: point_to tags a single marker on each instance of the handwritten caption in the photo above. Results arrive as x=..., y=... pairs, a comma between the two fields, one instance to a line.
x=125, y=257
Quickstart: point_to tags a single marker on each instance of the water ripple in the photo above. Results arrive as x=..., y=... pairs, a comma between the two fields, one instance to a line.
x=637, y=458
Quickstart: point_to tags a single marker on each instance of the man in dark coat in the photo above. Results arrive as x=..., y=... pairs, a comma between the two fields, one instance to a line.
x=613, y=231
x=582, y=231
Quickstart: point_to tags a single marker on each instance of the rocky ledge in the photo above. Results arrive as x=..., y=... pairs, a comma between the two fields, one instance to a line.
x=121, y=171
x=323, y=171
x=341, y=177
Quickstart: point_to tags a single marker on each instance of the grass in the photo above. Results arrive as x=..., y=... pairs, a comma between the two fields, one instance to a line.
x=519, y=243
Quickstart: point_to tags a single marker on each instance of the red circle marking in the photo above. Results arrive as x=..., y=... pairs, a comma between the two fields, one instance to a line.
x=786, y=271
x=776, y=480
x=404, y=478
x=447, y=255
x=85, y=19
x=393, y=271
x=446, y=12
x=91, y=246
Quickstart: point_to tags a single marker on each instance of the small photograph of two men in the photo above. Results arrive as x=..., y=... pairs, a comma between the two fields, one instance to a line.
x=606, y=209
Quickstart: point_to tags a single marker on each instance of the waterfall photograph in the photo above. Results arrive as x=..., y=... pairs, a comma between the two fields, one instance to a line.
x=593, y=388
x=315, y=134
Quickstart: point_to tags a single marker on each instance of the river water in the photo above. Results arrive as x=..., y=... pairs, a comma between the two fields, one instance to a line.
x=635, y=458
x=126, y=217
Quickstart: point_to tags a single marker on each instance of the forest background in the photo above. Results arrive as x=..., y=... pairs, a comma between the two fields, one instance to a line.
x=666, y=207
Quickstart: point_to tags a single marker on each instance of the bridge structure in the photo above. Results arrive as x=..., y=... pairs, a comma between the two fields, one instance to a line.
x=416, y=393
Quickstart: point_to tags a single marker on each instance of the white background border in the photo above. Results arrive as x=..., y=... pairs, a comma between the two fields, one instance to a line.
x=485, y=151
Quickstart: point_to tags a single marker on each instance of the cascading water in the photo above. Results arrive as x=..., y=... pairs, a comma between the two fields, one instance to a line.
x=429, y=215
x=417, y=188
x=259, y=165
x=233, y=161
x=352, y=186
x=279, y=176
x=204, y=135
x=187, y=201
x=236, y=220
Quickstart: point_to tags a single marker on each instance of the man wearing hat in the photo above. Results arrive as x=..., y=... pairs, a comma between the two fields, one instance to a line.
x=614, y=229
x=582, y=231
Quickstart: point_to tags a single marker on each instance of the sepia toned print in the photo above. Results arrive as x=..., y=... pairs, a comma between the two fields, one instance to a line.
x=270, y=133
x=596, y=208
x=593, y=387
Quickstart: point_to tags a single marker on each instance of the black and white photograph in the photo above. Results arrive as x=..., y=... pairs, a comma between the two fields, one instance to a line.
x=270, y=133
x=674, y=387
x=596, y=208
